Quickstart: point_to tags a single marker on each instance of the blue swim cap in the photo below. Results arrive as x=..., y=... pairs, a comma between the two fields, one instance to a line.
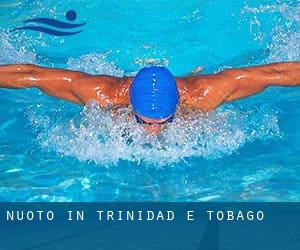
x=154, y=93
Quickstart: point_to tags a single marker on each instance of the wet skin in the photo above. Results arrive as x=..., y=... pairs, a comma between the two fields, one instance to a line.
x=203, y=92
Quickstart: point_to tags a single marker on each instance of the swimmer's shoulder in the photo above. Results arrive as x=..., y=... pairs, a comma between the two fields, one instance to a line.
x=190, y=86
x=205, y=92
x=104, y=89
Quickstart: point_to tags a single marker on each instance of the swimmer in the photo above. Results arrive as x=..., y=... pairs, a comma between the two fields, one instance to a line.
x=154, y=93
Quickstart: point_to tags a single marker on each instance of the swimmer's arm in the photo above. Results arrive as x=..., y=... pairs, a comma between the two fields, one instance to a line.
x=74, y=86
x=255, y=79
x=207, y=92
x=54, y=82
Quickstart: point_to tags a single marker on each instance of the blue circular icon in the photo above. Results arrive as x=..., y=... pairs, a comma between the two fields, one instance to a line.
x=71, y=15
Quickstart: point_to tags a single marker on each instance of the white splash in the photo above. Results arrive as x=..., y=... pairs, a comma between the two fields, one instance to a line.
x=285, y=42
x=12, y=51
x=285, y=45
x=106, y=136
x=95, y=63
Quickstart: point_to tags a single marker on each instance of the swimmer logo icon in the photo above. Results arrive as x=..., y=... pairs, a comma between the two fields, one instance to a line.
x=58, y=28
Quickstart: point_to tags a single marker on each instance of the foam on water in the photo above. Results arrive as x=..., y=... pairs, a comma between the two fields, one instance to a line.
x=285, y=44
x=95, y=63
x=106, y=136
x=13, y=51
x=285, y=37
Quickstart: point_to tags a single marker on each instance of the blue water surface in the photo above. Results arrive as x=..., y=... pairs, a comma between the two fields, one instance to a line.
x=248, y=150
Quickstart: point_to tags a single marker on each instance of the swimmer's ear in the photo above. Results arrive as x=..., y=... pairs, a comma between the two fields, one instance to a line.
x=196, y=71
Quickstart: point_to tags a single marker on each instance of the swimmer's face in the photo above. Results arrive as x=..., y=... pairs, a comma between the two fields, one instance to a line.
x=153, y=126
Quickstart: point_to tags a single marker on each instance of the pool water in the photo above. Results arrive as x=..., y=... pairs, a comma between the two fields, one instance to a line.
x=248, y=150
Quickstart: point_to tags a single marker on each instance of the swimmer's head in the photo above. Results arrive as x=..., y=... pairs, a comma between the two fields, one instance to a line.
x=154, y=95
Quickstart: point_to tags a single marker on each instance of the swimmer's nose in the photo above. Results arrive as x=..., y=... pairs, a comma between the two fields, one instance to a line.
x=153, y=129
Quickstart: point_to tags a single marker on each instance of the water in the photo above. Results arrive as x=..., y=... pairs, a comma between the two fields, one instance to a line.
x=51, y=150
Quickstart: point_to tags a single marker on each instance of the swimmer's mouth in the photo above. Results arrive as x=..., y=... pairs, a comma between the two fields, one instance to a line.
x=141, y=121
